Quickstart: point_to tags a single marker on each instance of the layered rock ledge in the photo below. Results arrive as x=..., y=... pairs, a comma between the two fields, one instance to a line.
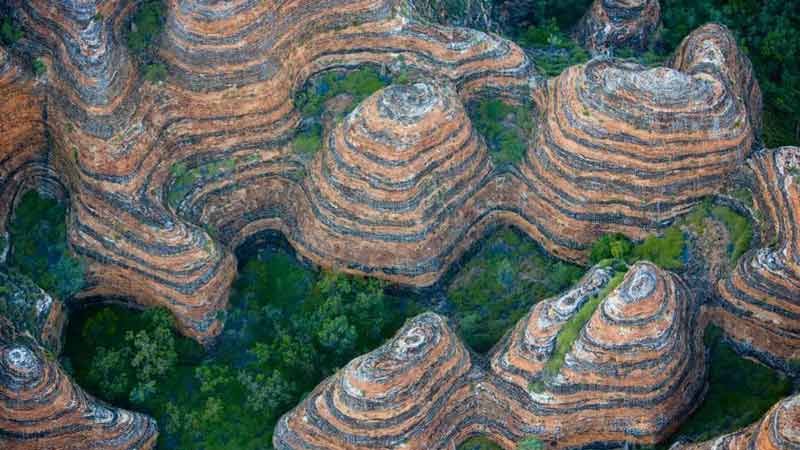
x=759, y=305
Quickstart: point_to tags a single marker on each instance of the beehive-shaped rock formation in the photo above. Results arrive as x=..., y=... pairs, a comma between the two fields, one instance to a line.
x=760, y=302
x=388, y=190
x=635, y=371
x=397, y=396
x=779, y=429
x=41, y=408
x=619, y=24
x=626, y=148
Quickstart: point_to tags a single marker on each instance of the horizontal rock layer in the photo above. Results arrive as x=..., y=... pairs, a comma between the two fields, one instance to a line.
x=636, y=370
x=759, y=303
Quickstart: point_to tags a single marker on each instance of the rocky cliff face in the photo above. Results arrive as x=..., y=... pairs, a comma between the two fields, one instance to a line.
x=758, y=304
x=634, y=373
x=41, y=408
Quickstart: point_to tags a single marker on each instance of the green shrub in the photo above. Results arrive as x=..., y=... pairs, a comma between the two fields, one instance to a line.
x=479, y=443
x=147, y=25
x=505, y=128
x=39, y=248
x=39, y=67
x=530, y=443
x=308, y=142
x=10, y=32
x=155, y=73
x=611, y=246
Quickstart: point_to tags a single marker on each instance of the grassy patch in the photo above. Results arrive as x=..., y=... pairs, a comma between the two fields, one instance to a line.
x=740, y=392
x=506, y=129
x=39, y=250
x=308, y=141
x=739, y=228
x=498, y=285
x=664, y=251
x=479, y=443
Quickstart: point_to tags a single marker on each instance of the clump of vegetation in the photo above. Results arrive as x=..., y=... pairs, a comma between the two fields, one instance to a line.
x=185, y=178
x=359, y=84
x=286, y=330
x=530, y=443
x=506, y=128
x=554, y=50
x=664, y=251
x=498, y=285
x=572, y=329
x=155, y=73
x=146, y=27
x=10, y=32
x=740, y=392
x=308, y=141
x=739, y=228
x=39, y=67
x=356, y=85
x=39, y=247
x=479, y=443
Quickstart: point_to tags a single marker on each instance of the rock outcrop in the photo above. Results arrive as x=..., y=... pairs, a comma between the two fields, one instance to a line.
x=636, y=370
x=624, y=148
x=759, y=305
x=41, y=408
x=391, y=191
x=32, y=309
x=617, y=24
x=779, y=429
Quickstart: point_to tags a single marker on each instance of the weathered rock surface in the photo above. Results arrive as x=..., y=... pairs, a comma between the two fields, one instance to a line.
x=619, y=24
x=624, y=148
x=23, y=157
x=634, y=373
x=759, y=304
x=163, y=179
x=41, y=408
x=32, y=309
x=779, y=429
